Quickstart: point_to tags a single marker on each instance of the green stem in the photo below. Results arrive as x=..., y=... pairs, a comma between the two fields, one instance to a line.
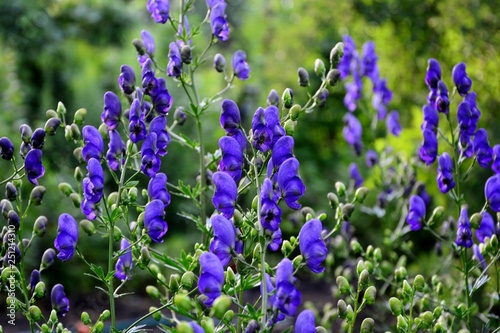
x=466, y=281
x=111, y=291
x=203, y=201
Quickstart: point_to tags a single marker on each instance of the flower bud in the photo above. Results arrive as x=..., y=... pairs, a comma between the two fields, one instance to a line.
x=230, y=277
x=475, y=220
x=333, y=77
x=98, y=327
x=439, y=328
x=290, y=127
x=438, y=311
x=78, y=174
x=65, y=188
x=419, y=283
x=51, y=113
x=402, y=324
x=297, y=261
x=13, y=219
x=370, y=294
x=360, y=194
x=105, y=315
x=75, y=199
x=10, y=191
x=367, y=325
x=26, y=133
x=186, y=54
x=183, y=302
x=273, y=98
x=333, y=200
x=139, y=46
x=356, y=246
x=336, y=54
x=103, y=129
x=221, y=305
x=47, y=259
x=343, y=284
x=87, y=227
x=340, y=188
x=39, y=290
x=51, y=126
x=46, y=328
x=219, y=63
x=396, y=306
x=342, y=308
x=6, y=207
x=35, y=313
x=61, y=109
x=347, y=211
x=208, y=324
x=80, y=115
x=146, y=256
x=174, y=282
x=153, y=292
x=85, y=318
x=184, y=327
x=364, y=278
x=427, y=319
x=40, y=226
x=180, y=116
x=303, y=77
x=407, y=289
x=286, y=248
x=400, y=273
x=287, y=98
x=319, y=67
x=295, y=111
x=37, y=194
x=494, y=242
x=228, y=316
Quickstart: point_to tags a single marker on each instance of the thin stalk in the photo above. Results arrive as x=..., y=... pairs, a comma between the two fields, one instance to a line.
x=355, y=312
x=466, y=281
x=111, y=291
x=203, y=201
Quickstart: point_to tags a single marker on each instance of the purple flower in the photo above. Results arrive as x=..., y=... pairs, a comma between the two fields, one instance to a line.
x=67, y=237
x=116, y=151
x=476, y=254
x=492, y=192
x=416, y=214
x=196, y=327
x=290, y=184
x=159, y=10
x=355, y=175
x=352, y=132
x=93, y=144
x=34, y=279
x=149, y=43
x=232, y=157
x=445, y=173
x=33, y=166
x=287, y=297
x=157, y=126
x=230, y=119
x=224, y=238
x=392, y=123
x=371, y=158
x=429, y=148
x=59, y=301
x=211, y=277
x=150, y=162
x=240, y=137
x=381, y=97
x=468, y=115
x=112, y=110
x=124, y=263
x=433, y=74
x=38, y=138
x=312, y=246
x=161, y=98
x=240, y=65
x=464, y=234
x=369, y=66
x=461, y=80
x=270, y=212
x=495, y=166
x=149, y=81
x=431, y=118
x=157, y=189
x=273, y=98
x=218, y=22
x=422, y=192
x=136, y=127
x=174, y=67
x=349, y=58
x=276, y=240
x=442, y=102
x=89, y=209
x=353, y=93
x=155, y=225
x=482, y=149
x=6, y=148
x=282, y=150
x=305, y=322
x=93, y=184
x=266, y=128
x=225, y=194
x=126, y=80
x=486, y=228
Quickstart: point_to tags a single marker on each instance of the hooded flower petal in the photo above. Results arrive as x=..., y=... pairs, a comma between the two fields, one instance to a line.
x=230, y=119
x=464, y=234
x=137, y=126
x=270, y=212
x=158, y=125
x=112, y=110
x=174, y=67
x=226, y=191
x=59, y=301
x=224, y=238
x=126, y=80
x=211, y=277
x=33, y=165
x=282, y=150
x=433, y=74
x=312, y=246
x=218, y=22
x=461, y=80
x=445, y=173
x=240, y=65
x=482, y=149
x=392, y=123
x=6, y=148
x=150, y=162
x=93, y=184
x=67, y=237
x=232, y=157
x=93, y=144
x=124, y=264
x=159, y=10
x=305, y=322
x=486, y=228
x=416, y=214
x=429, y=148
x=287, y=297
x=157, y=189
x=116, y=151
x=352, y=132
x=155, y=225
x=289, y=182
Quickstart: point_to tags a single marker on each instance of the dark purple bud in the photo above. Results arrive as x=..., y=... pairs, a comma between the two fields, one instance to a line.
x=149, y=81
x=158, y=126
x=155, y=225
x=161, y=98
x=369, y=66
x=433, y=74
x=13, y=220
x=124, y=263
x=270, y=212
x=38, y=138
x=240, y=65
x=464, y=234
x=48, y=259
x=93, y=143
x=136, y=127
x=303, y=77
x=67, y=237
x=429, y=148
x=219, y=63
x=224, y=238
x=93, y=184
x=33, y=166
x=232, y=157
x=305, y=322
x=322, y=97
x=468, y=115
x=126, y=80
x=431, y=118
x=112, y=110
x=312, y=246
x=26, y=133
x=24, y=149
x=482, y=149
x=157, y=189
x=287, y=297
x=442, y=101
x=422, y=192
x=150, y=162
x=174, y=67
x=218, y=22
x=461, y=80
x=371, y=158
x=52, y=125
x=291, y=186
x=486, y=228
x=34, y=279
x=59, y=301
x=273, y=98
x=40, y=226
x=230, y=119
x=159, y=10
x=392, y=123
x=355, y=175
x=6, y=148
x=10, y=191
x=186, y=54
x=225, y=194
x=211, y=277
x=445, y=173
x=416, y=213
x=352, y=132
x=116, y=152
x=180, y=116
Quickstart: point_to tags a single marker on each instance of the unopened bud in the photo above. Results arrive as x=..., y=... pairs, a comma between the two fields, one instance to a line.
x=153, y=292
x=343, y=284
x=98, y=327
x=295, y=112
x=40, y=226
x=61, y=109
x=37, y=194
x=286, y=248
x=80, y=115
x=290, y=127
x=396, y=306
x=207, y=324
x=347, y=211
x=287, y=98
x=85, y=318
x=342, y=308
x=221, y=305
x=75, y=199
x=145, y=255
x=13, y=220
x=88, y=227
x=78, y=174
x=65, y=188
x=333, y=200
x=180, y=116
x=297, y=261
x=303, y=77
x=336, y=54
x=48, y=258
x=367, y=325
x=219, y=63
x=186, y=54
x=187, y=279
x=273, y=98
x=184, y=327
x=319, y=67
x=427, y=319
x=361, y=194
x=402, y=324
x=356, y=246
x=475, y=220
x=174, y=283
x=333, y=77
x=340, y=188
x=26, y=133
x=419, y=283
x=51, y=126
x=370, y=294
x=105, y=315
x=10, y=191
x=364, y=277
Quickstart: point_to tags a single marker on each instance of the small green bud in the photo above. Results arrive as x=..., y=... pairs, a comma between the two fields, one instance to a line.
x=228, y=316
x=377, y=255
x=319, y=67
x=295, y=111
x=230, y=276
x=238, y=218
x=402, y=324
x=105, y=315
x=342, y=308
x=187, y=279
x=475, y=220
x=340, y=188
x=46, y=328
x=98, y=327
x=75, y=199
x=117, y=234
x=75, y=132
x=343, y=284
x=174, y=282
x=112, y=198
x=153, y=292
x=367, y=325
x=37, y=194
x=80, y=115
x=48, y=258
x=396, y=306
x=78, y=174
x=186, y=54
x=419, y=283
x=369, y=266
x=407, y=289
x=255, y=202
x=183, y=302
x=10, y=191
x=333, y=200
x=184, y=327
x=437, y=215
x=51, y=126
x=132, y=194
x=61, y=110
x=219, y=63
x=439, y=288
x=287, y=98
x=438, y=311
x=103, y=129
x=286, y=248
x=88, y=227
x=439, y=328
x=85, y=318
x=155, y=314
x=427, y=319
x=53, y=317
x=370, y=294
x=336, y=54
x=290, y=127
x=146, y=256
x=364, y=278
x=360, y=194
x=303, y=77
x=207, y=324
x=494, y=242
x=400, y=273
x=333, y=77
x=360, y=267
x=297, y=261
x=356, y=246
x=40, y=226
x=347, y=211
x=258, y=249
x=65, y=188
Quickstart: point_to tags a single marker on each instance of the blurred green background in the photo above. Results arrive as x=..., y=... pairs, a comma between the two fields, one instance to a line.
x=71, y=51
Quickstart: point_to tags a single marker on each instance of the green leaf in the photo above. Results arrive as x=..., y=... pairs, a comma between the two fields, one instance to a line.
x=98, y=272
